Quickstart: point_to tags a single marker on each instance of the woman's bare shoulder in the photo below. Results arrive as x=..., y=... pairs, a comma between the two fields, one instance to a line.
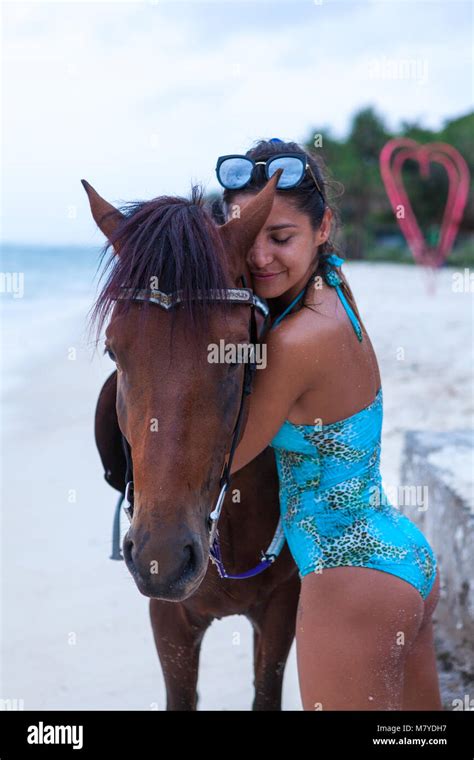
x=321, y=315
x=306, y=335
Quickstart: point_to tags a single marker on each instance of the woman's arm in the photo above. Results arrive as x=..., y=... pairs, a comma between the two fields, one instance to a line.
x=288, y=373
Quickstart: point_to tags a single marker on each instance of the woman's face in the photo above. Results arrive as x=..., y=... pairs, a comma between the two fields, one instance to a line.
x=283, y=255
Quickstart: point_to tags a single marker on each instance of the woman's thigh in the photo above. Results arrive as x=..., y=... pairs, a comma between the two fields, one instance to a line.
x=355, y=626
x=421, y=682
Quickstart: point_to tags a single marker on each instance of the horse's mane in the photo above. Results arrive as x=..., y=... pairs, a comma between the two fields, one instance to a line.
x=173, y=240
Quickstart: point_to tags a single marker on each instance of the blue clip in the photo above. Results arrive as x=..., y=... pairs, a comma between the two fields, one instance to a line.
x=335, y=260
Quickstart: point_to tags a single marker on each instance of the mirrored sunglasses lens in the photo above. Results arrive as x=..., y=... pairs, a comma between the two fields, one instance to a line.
x=235, y=172
x=293, y=170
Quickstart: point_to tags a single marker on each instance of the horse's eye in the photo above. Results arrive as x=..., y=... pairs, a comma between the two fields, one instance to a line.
x=110, y=353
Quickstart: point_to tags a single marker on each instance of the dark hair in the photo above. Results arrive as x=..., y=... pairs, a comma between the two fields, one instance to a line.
x=305, y=197
x=170, y=238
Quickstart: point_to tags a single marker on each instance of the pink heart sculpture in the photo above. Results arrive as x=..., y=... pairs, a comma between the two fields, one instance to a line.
x=391, y=163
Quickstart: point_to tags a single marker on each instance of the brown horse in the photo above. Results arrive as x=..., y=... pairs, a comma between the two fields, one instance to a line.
x=178, y=411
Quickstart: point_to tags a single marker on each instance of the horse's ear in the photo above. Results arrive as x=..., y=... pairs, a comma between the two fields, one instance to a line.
x=106, y=216
x=239, y=233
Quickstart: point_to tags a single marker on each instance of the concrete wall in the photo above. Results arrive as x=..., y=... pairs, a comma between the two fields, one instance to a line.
x=444, y=463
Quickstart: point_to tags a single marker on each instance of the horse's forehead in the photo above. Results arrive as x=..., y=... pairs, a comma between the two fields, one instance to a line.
x=121, y=318
x=124, y=318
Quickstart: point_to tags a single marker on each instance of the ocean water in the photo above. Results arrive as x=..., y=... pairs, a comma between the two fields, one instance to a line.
x=59, y=287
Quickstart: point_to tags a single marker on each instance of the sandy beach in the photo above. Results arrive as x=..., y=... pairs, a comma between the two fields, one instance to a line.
x=75, y=630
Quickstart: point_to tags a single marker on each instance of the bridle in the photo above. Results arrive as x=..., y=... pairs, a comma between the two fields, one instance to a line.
x=241, y=296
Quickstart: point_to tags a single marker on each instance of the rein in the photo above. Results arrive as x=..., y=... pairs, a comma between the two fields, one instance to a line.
x=240, y=296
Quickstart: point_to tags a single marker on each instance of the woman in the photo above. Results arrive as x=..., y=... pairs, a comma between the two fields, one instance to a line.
x=369, y=581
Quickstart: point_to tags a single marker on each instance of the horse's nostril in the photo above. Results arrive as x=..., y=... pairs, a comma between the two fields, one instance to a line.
x=127, y=550
x=190, y=559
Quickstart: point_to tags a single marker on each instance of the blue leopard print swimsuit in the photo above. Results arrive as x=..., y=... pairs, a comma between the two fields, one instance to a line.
x=334, y=510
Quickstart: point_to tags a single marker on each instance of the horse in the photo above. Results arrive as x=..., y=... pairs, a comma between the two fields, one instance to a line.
x=179, y=417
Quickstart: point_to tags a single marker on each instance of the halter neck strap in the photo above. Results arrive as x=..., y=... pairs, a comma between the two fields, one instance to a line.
x=288, y=308
x=334, y=280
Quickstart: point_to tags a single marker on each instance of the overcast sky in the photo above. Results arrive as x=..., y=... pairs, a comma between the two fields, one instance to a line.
x=141, y=97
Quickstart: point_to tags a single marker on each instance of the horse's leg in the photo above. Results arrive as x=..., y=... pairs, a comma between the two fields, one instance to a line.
x=274, y=624
x=178, y=643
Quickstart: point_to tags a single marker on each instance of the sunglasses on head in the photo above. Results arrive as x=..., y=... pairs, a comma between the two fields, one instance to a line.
x=234, y=172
